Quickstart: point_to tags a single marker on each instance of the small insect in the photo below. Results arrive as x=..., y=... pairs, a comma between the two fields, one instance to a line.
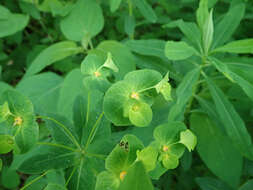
x=124, y=145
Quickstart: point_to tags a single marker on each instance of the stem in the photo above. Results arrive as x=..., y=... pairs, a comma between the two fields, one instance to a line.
x=130, y=7
x=57, y=145
x=72, y=173
x=33, y=181
x=145, y=89
x=93, y=130
x=71, y=137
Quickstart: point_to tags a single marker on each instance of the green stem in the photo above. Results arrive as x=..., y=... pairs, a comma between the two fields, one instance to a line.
x=93, y=130
x=58, y=145
x=145, y=89
x=33, y=181
x=130, y=7
x=71, y=137
x=72, y=173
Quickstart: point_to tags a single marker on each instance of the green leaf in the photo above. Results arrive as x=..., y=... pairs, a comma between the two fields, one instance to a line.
x=11, y=23
x=73, y=83
x=85, y=19
x=107, y=180
x=86, y=173
x=170, y=161
x=216, y=150
x=6, y=143
x=208, y=32
x=239, y=46
x=52, y=54
x=119, y=97
x=202, y=14
x=227, y=26
x=189, y=29
x=43, y=91
x=140, y=114
x=184, y=92
x=208, y=183
x=247, y=186
x=123, y=155
x=150, y=47
x=52, y=186
x=148, y=156
x=136, y=178
x=95, y=75
x=9, y=178
x=164, y=88
x=188, y=139
x=4, y=112
x=114, y=5
x=129, y=25
x=44, y=158
x=122, y=57
x=146, y=10
x=244, y=83
x=23, y=123
x=169, y=132
x=233, y=124
x=178, y=50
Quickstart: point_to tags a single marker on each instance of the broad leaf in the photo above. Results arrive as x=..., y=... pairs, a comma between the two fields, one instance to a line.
x=216, y=150
x=136, y=178
x=114, y=5
x=85, y=19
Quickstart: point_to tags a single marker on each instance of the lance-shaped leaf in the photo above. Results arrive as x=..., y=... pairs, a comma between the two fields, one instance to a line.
x=216, y=150
x=188, y=139
x=24, y=126
x=239, y=46
x=135, y=87
x=6, y=143
x=208, y=183
x=52, y=54
x=244, y=83
x=189, y=29
x=136, y=178
x=11, y=23
x=84, y=19
x=227, y=26
x=233, y=123
x=146, y=10
x=207, y=35
x=184, y=92
x=178, y=50
x=202, y=14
